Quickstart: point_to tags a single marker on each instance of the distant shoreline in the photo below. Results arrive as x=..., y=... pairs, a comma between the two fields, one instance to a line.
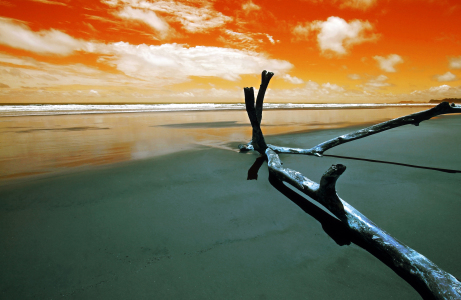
x=219, y=103
x=79, y=109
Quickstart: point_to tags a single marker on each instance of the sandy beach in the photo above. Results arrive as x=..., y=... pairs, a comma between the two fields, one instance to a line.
x=188, y=225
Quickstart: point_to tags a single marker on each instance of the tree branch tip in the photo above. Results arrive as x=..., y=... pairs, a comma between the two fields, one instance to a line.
x=341, y=167
x=266, y=77
x=336, y=170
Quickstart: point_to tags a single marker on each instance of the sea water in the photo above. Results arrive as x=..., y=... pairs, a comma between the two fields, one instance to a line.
x=42, y=139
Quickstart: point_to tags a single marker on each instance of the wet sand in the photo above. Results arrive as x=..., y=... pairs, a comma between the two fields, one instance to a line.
x=188, y=225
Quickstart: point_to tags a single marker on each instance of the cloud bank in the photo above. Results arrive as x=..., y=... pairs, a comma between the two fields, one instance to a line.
x=194, y=16
x=147, y=17
x=335, y=35
x=160, y=62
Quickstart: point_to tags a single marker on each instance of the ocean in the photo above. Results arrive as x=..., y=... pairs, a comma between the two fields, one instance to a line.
x=44, y=139
x=54, y=109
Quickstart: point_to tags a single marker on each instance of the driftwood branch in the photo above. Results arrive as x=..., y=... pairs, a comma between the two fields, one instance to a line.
x=265, y=79
x=426, y=277
x=249, y=102
x=415, y=119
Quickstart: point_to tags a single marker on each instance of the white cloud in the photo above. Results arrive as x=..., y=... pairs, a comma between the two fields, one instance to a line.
x=249, y=40
x=357, y=4
x=197, y=17
x=437, y=92
x=20, y=61
x=18, y=35
x=172, y=63
x=375, y=83
x=142, y=66
x=387, y=64
x=446, y=77
x=250, y=6
x=146, y=16
x=238, y=39
x=310, y=92
x=335, y=35
x=440, y=89
x=331, y=87
x=271, y=39
x=292, y=79
x=302, y=32
x=27, y=71
x=455, y=62
x=146, y=70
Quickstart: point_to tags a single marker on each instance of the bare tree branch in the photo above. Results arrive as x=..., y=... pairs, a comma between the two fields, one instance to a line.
x=415, y=119
x=258, y=140
x=265, y=79
x=426, y=277
x=249, y=100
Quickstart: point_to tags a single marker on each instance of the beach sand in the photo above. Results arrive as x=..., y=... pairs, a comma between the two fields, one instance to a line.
x=188, y=225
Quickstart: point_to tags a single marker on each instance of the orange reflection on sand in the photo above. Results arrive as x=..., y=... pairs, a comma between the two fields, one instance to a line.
x=32, y=145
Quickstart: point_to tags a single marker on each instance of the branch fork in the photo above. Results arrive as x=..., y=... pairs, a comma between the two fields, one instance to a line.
x=426, y=277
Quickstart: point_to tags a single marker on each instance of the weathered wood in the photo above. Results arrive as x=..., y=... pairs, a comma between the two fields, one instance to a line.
x=415, y=119
x=426, y=277
x=257, y=142
x=265, y=79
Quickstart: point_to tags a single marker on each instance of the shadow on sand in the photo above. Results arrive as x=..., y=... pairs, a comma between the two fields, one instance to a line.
x=395, y=163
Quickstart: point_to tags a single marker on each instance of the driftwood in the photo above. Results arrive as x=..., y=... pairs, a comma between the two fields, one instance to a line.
x=428, y=279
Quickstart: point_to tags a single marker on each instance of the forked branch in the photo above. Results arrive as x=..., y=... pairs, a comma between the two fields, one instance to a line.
x=250, y=104
x=426, y=277
x=415, y=119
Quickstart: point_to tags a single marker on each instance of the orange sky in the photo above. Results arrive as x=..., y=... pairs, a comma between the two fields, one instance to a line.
x=101, y=51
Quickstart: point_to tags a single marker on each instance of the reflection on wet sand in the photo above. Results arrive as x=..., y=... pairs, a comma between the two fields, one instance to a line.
x=31, y=145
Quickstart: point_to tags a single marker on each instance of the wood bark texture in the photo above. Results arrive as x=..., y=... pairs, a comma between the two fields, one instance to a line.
x=427, y=278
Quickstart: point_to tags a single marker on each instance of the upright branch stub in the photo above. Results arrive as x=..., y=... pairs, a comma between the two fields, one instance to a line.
x=327, y=191
x=265, y=79
x=258, y=139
